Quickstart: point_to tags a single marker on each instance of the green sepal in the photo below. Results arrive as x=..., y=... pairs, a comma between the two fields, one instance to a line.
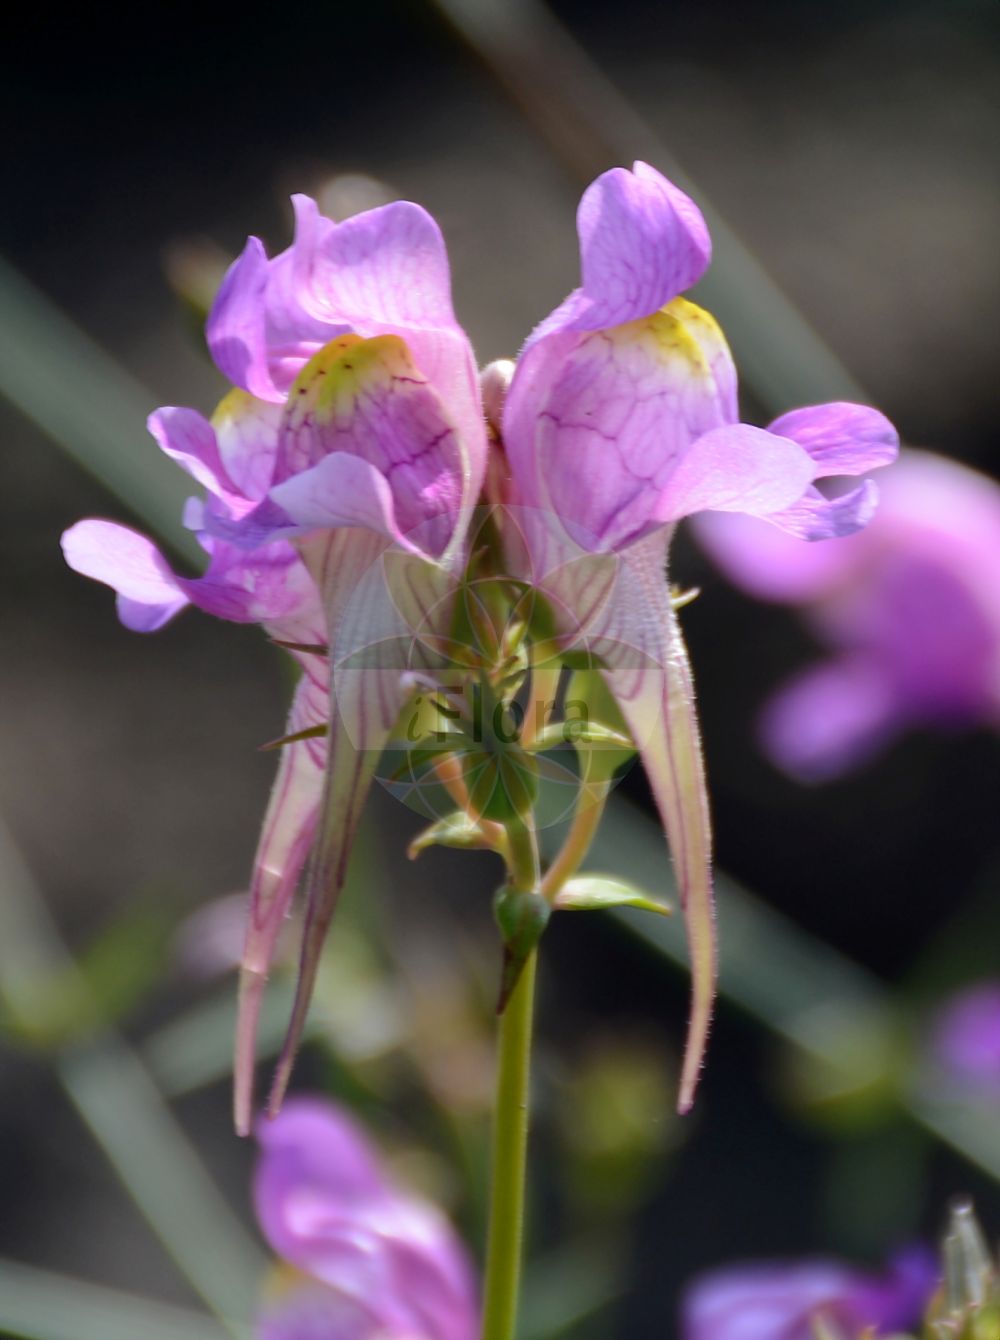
x=503, y=785
x=454, y=830
x=309, y=733
x=604, y=741
x=561, y=733
x=522, y=917
x=594, y=893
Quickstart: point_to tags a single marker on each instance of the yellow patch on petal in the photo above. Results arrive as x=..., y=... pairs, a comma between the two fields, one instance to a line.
x=681, y=329
x=340, y=368
x=233, y=407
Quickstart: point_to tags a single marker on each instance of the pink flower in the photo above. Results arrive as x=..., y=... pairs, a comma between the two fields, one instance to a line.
x=340, y=476
x=372, y=1262
x=909, y=610
x=342, y=472
x=965, y=1041
x=620, y=419
x=782, y=1301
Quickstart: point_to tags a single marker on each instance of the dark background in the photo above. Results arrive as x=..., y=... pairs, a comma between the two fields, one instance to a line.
x=853, y=148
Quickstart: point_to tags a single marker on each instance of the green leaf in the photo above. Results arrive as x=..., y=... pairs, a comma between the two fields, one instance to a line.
x=595, y=893
x=454, y=830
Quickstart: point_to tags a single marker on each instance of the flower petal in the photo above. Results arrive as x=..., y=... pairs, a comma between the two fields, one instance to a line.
x=642, y=242
x=736, y=468
x=342, y=490
x=377, y=603
x=285, y=842
x=149, y=595
x=831, y=718
x=814, y=517
x=597, y=430
x=617, y=608
x=188, y=438
x=326, y=1206
x=650, y=677
x=386, y=266
x=310, y=1153
x=236, y=329
x=246, y=431
x=842, y=438
x=365, y=398
x=263, y=585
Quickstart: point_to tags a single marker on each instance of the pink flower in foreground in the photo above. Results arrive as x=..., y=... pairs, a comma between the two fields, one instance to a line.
x=370, y=1262
x=784, y=1301
x=910, y=612
x=622, y=418
x=355, y=440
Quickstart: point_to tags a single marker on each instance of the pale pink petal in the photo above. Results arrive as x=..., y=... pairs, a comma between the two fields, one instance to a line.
x=617, y=607
x=736, y=469
x=342, y=490
x=378, y=602
x=842, y=438
x=650, y=677
x=188, y=438
x=597, y=425
x=149, y=594
x=642, y=242
x=830, y=718
x=367, y=399
x=815, y=517
x=285, y=842
x=236, y=330
x=246, y=432
x=386, y=266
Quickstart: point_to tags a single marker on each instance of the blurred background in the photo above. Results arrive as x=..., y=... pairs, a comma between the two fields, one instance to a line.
x=851, y=151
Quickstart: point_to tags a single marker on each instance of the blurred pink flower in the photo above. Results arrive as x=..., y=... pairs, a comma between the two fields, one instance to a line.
x=910, y=610
x=782, y=1301
x=965, y=1040
x=372, y=1262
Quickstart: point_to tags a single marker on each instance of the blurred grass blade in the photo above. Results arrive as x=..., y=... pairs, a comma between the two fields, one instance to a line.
x=39, y=1305
x=88, y=405
x=126, y=1113
x=590, y=126
x=567, y=1287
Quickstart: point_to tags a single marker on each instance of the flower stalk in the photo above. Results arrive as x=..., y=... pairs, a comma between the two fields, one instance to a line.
x=509, y=1160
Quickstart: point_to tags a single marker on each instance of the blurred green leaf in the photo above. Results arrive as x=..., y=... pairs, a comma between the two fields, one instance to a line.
x=615, y=1112
x=39, y=1305
x=563, y=1289
x=125, y=961
x=90, y=407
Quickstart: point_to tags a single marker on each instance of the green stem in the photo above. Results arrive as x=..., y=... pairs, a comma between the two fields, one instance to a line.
x=510, y=1142
x=586, y=821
